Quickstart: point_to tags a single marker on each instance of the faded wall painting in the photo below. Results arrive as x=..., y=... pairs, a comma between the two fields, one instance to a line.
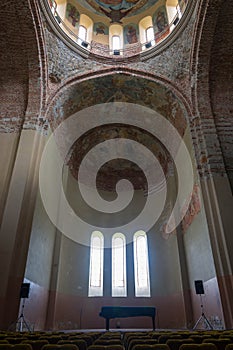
x=160, y=23
x=100, y=28
x=128, y=7
x=193, y=209
x=72, y=14
x=131, y=34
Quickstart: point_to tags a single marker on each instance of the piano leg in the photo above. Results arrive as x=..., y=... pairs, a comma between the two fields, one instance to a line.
x=107, y=324
x=153, y=321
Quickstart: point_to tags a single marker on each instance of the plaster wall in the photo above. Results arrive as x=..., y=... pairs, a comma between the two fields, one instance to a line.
x=39, y=266
x=75, y=310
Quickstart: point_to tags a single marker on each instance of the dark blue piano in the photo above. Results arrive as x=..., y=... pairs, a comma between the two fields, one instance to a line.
x=109, y=312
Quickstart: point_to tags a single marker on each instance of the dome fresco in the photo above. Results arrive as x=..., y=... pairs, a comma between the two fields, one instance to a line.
x=125, y=7
x=117, y=169
x=117, y=27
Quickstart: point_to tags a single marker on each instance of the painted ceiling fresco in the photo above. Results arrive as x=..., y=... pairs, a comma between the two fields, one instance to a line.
x=117, y=169
x=123, y=88
x=120, y=88
x=117, y=8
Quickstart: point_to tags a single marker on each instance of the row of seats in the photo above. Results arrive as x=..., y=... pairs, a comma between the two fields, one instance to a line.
x=159, y=340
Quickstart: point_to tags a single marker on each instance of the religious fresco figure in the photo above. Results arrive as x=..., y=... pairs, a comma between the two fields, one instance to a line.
x=130, y=32
x=161, y=21
x=117, y=9
x=117, y=4
x=100, y=28
x=131, y=35
x=72, y=14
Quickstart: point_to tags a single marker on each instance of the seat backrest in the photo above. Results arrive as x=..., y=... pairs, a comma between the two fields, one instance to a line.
x=163, y=338
x=154, y=347
x=22, y=346
x=6, y=346
x=229, y=347
x=220, y=343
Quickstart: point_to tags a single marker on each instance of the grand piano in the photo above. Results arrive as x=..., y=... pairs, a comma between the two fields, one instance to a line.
x=109, y=312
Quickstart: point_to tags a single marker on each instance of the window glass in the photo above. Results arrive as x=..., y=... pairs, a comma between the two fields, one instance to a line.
x=82, y=33
x=141, y=265
x=149, y=34
x=96, y=264
x=116, y=42
x=119, y=265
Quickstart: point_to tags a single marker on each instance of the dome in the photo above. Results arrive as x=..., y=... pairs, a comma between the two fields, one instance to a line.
x=115, y=28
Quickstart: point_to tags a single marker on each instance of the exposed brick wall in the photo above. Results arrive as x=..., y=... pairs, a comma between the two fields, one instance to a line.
x=206, y=143
x=36, y=52
x=221, y=83
x=172, y=64
x=22, y=81
x=13, y=69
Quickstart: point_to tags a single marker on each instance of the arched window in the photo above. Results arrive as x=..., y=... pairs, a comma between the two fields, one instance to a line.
x=141, y=265
x=82, y=33
x=53, y=6
x=116, y=42
x=150, y=36
x=119, y=288
x=96, y=265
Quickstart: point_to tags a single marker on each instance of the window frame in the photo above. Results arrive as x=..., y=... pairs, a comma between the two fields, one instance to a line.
x=79, y=37
x=141, y=291
x=117, y=290
x=119, y=46
x=96, y=290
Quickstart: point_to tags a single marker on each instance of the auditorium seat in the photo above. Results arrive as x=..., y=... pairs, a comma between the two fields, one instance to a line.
x=206, y=346
x=220, y=343
x=15, y=340
x=6, y=346
x=135, y=336
x=198, y=338
x=106, y=347
x=36, y=344
x=163, y=338
x=60, y=347
x=174, y=344
x=22, y=346
x=154, y=347
x=148, y=341
x=81, y=344
x=147, y=347
x=102, y=341
x=229, y=346
x=88, y=339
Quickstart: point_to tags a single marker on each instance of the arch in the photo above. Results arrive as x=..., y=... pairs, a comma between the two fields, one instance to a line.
x=141, y=265
x=144, y=25
x=96, y=265
x=87, y=23
x=119, y=283
x=115, y=30
x=72, y=84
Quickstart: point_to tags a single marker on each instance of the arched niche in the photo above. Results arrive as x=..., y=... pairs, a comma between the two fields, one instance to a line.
x=166, y=252
x=115, y=31
x=144, y=25
x=87, y=23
